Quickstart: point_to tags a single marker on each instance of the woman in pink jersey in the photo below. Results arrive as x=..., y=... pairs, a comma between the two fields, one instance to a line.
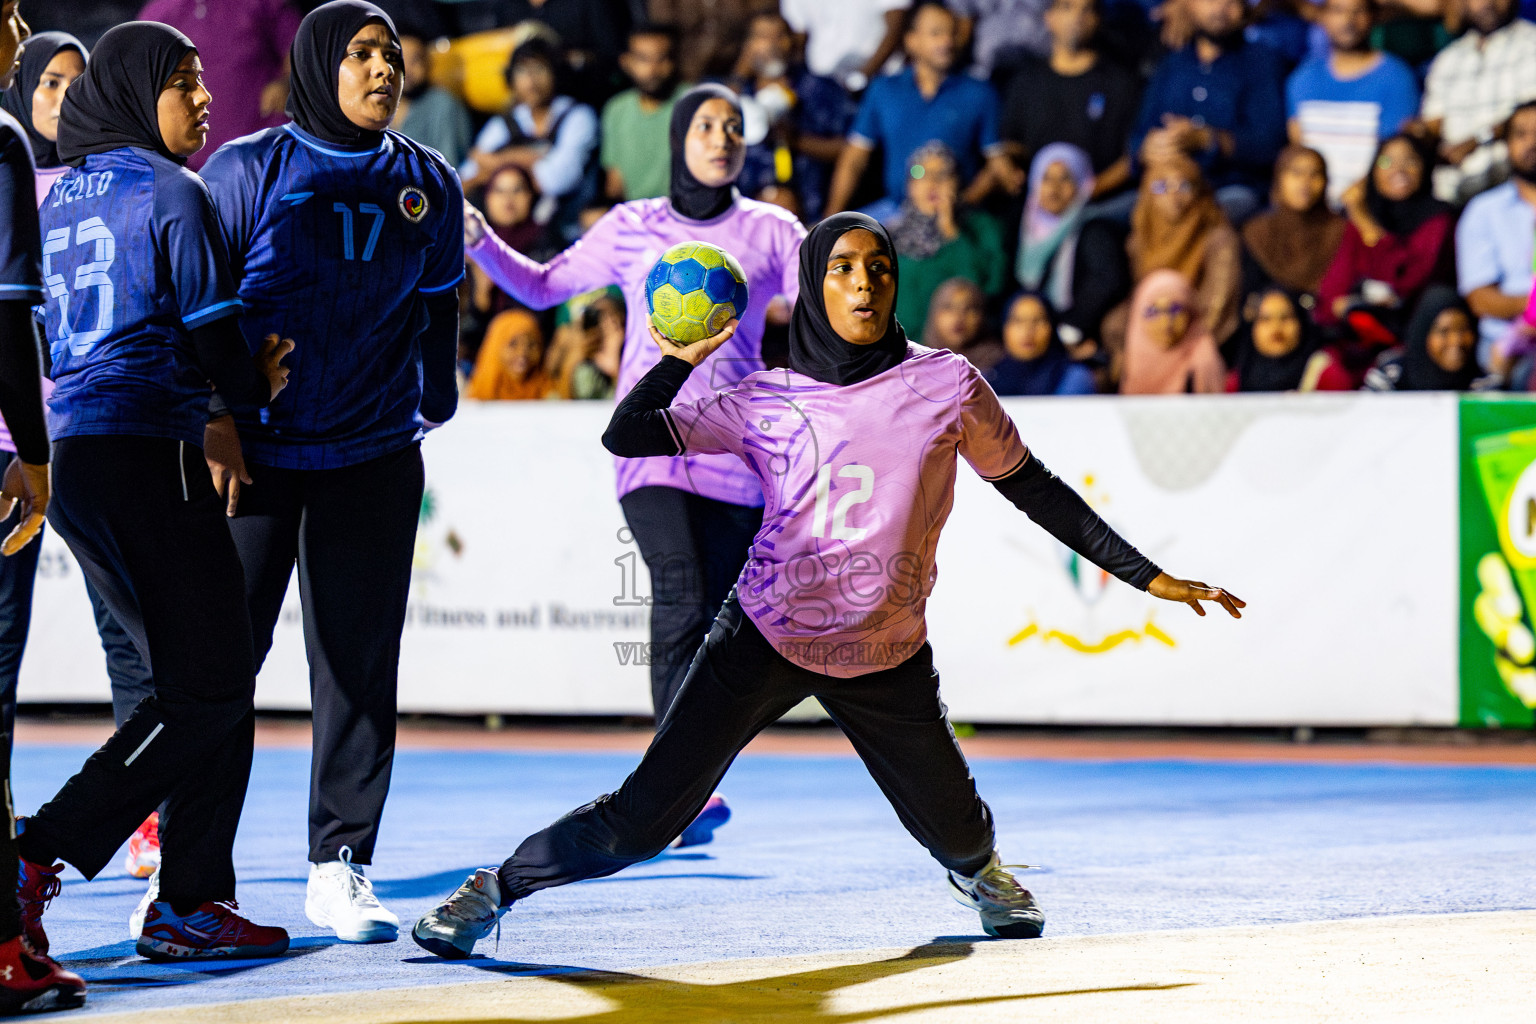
x=694, y=517
x=855, y=448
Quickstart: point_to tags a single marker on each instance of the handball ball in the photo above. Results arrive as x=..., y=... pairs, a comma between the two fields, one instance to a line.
x=693, y=290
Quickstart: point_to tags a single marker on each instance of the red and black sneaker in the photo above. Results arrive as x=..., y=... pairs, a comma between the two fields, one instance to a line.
x=212, y=931
x=32, y=983
x=36, y=886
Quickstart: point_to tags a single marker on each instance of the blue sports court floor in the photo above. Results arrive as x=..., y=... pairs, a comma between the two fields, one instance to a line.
x=815, y=861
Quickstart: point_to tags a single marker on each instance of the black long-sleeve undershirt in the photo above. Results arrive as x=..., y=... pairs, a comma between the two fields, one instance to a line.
x=439, y=358
x=21, y=392
x=641, y=425
x=226, y=359
x=1062, y=512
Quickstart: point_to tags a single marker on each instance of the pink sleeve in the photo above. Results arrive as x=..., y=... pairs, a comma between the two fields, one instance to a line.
x=790, y=262
x=712, y=425
x=989, y=441
x=1529, y=316
x=596, y=260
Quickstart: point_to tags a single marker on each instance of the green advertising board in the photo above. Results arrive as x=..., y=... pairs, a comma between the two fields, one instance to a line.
x=1498, y=561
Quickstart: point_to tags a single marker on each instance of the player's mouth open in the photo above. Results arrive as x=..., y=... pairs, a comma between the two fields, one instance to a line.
x=864, y=312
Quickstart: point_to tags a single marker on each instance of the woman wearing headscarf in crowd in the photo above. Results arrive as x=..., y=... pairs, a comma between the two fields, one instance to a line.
x=335, y=470
x=510, y=197
x=940, y=238
x=693, y=518
x=1279, y=348
x=957, y=321
x=1035, y=360
x=1168, y=348
x=905, y=414
x=1292, y=243
x=1077, y=264
x=510, y=366
x=1438, y=348
x=1400, y=239
x=51, y=62
x=135, y=342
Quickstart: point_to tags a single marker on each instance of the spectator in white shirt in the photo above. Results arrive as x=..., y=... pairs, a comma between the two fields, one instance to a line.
x=848, y=40
x=1496, y=238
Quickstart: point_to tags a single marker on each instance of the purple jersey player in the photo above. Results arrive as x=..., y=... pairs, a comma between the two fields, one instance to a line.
x=855, y=446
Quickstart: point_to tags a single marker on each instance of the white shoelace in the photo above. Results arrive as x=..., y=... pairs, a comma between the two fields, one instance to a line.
x=359, y=888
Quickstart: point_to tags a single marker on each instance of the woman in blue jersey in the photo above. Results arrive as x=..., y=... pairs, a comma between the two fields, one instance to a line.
x=140, y=314
x=350, y=237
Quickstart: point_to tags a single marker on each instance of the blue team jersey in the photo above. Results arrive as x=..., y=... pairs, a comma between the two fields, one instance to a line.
x=337, y=250
x=21, y=275
x=133, y=259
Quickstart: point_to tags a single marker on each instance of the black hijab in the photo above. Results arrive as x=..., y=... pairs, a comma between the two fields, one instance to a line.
x=1403, y=217
x=1258, y=372
x=691, y=197
x=815, y=349
x=1420, y=372
x=316, y=57
x=17, y=100
x=116, y=103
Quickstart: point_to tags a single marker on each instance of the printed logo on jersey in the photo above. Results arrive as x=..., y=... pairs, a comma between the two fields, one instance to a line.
x=413, y=203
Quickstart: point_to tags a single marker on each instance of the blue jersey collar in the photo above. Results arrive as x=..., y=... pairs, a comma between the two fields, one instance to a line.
x=315, y=144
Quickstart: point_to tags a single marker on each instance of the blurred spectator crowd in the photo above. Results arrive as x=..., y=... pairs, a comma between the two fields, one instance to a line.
x=1086, y=196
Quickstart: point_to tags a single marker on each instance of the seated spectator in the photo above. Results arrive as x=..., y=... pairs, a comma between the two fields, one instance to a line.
x=1218, y=101
x=957, y=321
x=711, y=32
x=1437, y=350
x=1079, y=96
x=551, y=135
x=1177, y=225
x=510, y=197
x=1473, y=86
x=938, y=238
x=244, y=45
x=807, y=116
x=636, y=155
x=1002, y=33
x=1496, y=238
x=510, y=366
x=926, y=102
x=849, y=41
x=1168, y=349
x=1397, y=243
x=430, y=114
x=1343, y=104
x=1078, y=264
x=1292, y=243
x=584, y=357
x=1279, y=349
x=1035, y=361
x=590, y=35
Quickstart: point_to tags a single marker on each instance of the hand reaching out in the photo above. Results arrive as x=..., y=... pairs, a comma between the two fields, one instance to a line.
x=1192, y=593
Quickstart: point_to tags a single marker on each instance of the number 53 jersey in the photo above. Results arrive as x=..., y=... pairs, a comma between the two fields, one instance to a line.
x=133, y=259
x=338, y=250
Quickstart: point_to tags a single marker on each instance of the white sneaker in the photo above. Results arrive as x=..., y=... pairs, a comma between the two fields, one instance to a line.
x=339, y=897
x=452, y=928
x=136, y=919
x=1007, y=909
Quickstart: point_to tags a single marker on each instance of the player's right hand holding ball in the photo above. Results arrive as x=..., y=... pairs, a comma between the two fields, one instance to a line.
x=270, y=362
x=698, y=351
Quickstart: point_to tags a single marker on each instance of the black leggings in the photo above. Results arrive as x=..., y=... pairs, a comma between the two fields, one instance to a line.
x=738, y=685
x=694, y=548
x=143, y=519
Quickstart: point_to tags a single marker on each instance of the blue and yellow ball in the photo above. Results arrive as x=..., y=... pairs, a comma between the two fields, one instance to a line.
x=693, y=290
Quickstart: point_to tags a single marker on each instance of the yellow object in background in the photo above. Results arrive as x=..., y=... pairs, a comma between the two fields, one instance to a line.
x=474, y=67
x=1500, y=615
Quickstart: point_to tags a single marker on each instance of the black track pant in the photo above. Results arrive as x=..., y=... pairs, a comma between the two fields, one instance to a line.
x=352, y=533
x=142, y=518
x=738, y=685
x=694, y=548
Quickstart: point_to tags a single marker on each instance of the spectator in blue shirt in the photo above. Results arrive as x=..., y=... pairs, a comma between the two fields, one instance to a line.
x=1348, y=101
x=1496, y=238
x=1219, y=101
x=926, y=102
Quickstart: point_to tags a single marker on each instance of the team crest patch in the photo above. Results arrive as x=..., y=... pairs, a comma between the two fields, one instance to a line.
x=413, y=203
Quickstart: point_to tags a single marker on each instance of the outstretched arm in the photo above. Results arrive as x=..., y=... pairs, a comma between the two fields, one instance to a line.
x=593, y=261
x=1063, y=513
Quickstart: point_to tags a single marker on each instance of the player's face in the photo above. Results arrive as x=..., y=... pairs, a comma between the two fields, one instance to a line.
x=1276, y=330
x=713, y=148
x=1057, y=189
x=957, y=318
x=65, y=67
x=1302, y=182
x=13, y=32
x=1451, y=340
x=1027, y=332
x=1398, y=171
x=368, y=84
x=859, y=288
x=523, y=354
x=183, y=108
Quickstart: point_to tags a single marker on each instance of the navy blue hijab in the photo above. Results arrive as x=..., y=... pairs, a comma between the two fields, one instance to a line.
x=815, y=349
x=17, y=100
x=316, y=57
x=116, y=103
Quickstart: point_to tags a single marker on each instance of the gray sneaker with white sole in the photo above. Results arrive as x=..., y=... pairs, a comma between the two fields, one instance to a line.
x=1007, y=909
x=452, y=928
